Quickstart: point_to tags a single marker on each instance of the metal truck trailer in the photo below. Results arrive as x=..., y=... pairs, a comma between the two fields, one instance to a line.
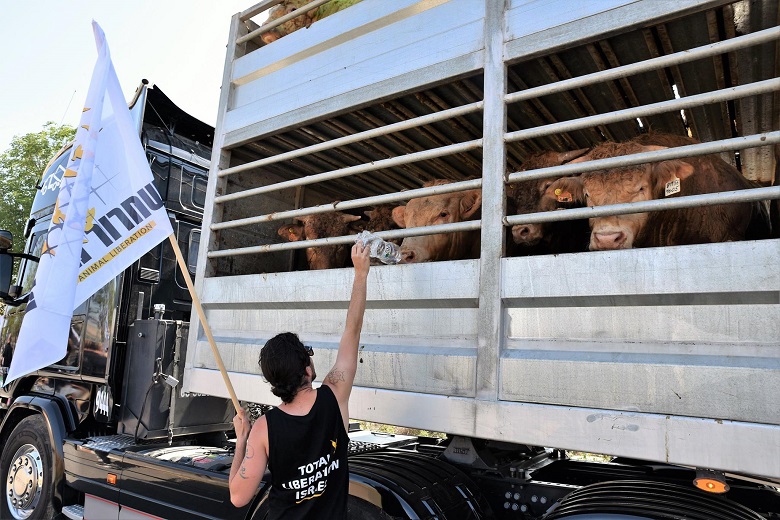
x=664, y=354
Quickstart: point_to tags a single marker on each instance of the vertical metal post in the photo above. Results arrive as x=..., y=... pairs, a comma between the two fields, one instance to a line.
x=493, y=204
x=220, y=159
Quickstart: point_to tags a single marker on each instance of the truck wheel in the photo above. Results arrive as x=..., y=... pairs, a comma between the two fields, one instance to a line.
x=27, y=472
x=358, y=509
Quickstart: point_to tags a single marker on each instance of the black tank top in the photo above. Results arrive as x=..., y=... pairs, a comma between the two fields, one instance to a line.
x=307, y=457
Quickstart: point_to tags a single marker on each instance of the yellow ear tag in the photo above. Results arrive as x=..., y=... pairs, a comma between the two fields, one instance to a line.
x=558, y=191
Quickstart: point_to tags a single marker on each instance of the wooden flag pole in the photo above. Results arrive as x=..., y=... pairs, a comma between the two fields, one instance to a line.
x=196, y=303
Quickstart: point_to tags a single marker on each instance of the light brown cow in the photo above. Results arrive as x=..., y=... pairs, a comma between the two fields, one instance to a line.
x=434, y=210
x=694, y=175
x=305, y=20
x=323, y=225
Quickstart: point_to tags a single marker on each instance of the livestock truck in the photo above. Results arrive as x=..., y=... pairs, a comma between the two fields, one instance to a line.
x=664, y=359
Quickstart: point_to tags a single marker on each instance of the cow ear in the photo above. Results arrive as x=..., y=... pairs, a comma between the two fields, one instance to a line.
x=667, y=171
x=291, y=232
x=470, y=203
x=567, y=190
x=399, y=213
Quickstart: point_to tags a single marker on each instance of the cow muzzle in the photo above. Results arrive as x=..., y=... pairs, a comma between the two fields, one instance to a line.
x=527, y=234
x=608, y=240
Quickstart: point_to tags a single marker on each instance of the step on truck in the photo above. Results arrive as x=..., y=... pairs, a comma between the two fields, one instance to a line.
x=664, y=359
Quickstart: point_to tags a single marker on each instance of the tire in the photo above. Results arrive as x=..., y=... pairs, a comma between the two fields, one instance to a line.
x=359, y=509
x=26, y=471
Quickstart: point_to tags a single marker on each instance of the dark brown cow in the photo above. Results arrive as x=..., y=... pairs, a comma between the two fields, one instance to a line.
x=696, y=175
x=380, y=218
x=534, y=196
x=434, y=210
x=323, y=225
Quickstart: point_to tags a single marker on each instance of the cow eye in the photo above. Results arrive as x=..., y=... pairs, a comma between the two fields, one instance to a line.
x=587, y=195
x=444, y=214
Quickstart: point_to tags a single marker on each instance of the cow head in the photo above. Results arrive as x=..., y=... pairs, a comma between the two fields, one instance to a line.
x=528, y=197
x=622, y=185
x=434, y=210
x=323, y=225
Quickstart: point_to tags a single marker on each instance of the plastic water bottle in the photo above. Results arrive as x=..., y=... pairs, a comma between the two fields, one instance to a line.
x=385, y=252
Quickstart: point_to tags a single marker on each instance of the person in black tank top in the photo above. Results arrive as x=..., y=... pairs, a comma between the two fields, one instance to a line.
x=303, y=442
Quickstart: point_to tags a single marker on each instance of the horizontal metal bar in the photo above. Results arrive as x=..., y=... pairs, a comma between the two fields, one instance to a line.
x=279, y=21
x=677, y=58
x=361, y=136
x=680, y=152
x=354, y=170
x=349, y=239
x=352, y=204
x=706, y=199
x=258, y=8
x=759, y=87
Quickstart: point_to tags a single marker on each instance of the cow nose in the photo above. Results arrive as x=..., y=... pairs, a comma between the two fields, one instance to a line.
x=613, y=240
x=526, y=234
x=521, y=233
x=407, y=256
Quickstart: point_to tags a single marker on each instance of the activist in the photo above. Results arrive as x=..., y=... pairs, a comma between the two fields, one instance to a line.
x=304, y=440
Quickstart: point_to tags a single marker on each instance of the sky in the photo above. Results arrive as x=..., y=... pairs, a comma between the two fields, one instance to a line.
x=47, y=53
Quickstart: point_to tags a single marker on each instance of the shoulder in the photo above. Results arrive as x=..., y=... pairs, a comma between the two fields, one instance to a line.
x=258, y=436
x=327, y=391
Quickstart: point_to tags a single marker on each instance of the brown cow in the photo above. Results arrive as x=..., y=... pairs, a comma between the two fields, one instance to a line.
x=322, y=225
x=696, y=175
x=534, y=196
x=434, y=210
x=380, y=218
x=305, y=20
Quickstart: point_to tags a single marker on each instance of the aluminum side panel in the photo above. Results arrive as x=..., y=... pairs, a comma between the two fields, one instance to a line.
x=690, y=331
x=313, y=72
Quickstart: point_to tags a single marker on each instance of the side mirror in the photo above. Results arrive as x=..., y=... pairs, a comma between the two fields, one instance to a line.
x=6, y=240
x=6, y=263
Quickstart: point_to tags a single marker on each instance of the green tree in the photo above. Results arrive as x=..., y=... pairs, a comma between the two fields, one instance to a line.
x=21, y=167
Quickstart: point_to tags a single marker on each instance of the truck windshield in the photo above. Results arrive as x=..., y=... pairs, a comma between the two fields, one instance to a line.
x=50, y=183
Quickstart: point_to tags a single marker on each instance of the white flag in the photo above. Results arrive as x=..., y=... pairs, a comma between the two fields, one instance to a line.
x=108, y=214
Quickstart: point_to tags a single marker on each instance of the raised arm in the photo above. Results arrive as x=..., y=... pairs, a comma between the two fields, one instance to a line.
x=342, y=375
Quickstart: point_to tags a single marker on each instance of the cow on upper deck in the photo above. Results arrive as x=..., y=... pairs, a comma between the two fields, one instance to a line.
x=433, y=210
x=673, y=178
x=535, y=196
x=323, y=225
x=309, y=16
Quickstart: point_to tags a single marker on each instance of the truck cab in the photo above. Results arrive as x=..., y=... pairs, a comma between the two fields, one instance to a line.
x=86, y=392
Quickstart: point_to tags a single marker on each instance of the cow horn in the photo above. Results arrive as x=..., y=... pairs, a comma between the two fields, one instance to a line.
x=574, y=154
x=350, y=218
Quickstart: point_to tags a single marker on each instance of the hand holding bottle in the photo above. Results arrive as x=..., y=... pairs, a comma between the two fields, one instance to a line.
x=385, y=252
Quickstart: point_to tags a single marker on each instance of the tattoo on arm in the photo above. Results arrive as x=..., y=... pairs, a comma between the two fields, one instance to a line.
x=242, y=472
x=250, y=452
x=335, y=376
